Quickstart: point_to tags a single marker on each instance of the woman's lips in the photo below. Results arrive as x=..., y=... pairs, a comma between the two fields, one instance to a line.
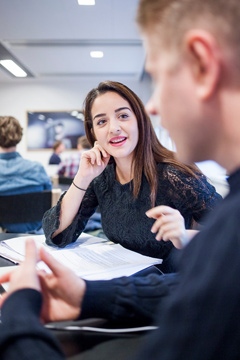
x=118, y=141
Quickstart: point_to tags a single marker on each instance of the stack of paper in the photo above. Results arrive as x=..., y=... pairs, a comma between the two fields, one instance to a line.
x=90, y=257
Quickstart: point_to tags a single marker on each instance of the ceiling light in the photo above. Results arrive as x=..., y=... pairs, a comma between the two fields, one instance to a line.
x=13, y=68
x=96, y=54
x=86, y=2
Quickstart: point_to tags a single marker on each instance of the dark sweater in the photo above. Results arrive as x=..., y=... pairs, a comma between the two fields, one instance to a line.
x=133, y=300
x=201, y=320
x=123, y=218
x=22, y=336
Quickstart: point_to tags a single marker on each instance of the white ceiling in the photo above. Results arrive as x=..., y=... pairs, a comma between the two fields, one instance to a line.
x=53, y=39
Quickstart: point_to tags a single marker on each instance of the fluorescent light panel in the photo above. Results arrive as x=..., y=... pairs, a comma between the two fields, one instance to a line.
x=96, y=54
x=13, y=68
x=86, y=2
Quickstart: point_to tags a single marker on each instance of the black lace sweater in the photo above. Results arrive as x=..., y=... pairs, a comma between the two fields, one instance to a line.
x=123, y=217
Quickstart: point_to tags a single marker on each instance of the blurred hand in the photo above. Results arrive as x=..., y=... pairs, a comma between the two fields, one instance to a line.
x=24, y=275
x=62, y=291
x=169, y=225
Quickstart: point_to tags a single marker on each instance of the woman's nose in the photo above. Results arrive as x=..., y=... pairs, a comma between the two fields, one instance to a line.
x=115, y=127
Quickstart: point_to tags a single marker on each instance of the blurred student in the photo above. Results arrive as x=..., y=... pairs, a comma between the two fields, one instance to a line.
x=18, y=175
x=58, y=148
x=69, y=166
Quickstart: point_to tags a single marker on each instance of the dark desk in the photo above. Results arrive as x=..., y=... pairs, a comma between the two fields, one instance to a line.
x=82, y=345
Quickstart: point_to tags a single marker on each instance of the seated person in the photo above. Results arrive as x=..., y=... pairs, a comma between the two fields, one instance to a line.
x=125, y=173
x=69, y=166
x=58, y=148
x=18, y=175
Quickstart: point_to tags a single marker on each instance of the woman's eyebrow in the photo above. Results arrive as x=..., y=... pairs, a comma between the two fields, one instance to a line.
x=117, y=110
x=99, y=115
x=122, y=108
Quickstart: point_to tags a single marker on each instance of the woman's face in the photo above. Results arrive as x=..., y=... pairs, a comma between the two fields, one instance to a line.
x=115, y=125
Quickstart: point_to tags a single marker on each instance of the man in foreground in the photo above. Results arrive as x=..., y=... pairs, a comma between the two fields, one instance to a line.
x=193, y=48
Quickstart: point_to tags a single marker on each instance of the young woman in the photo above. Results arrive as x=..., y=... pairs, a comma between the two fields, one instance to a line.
x=126, y=173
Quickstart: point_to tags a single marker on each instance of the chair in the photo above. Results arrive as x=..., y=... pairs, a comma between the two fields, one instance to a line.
x=64, y=180
x=27, y=207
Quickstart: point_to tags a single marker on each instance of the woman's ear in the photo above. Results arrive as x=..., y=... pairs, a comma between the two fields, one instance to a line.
x=202, y=52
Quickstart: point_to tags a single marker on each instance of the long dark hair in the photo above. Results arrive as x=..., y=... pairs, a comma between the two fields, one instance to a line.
x=149, y=151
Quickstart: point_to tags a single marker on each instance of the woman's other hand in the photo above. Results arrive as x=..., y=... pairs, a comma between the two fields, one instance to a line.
x=169, y=225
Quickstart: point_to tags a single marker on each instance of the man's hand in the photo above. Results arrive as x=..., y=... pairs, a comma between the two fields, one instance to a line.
x=62, y=291
x=24, y=275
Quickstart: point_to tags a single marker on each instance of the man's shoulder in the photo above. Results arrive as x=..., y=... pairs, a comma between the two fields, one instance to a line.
x=32, y=164
x=221, y=230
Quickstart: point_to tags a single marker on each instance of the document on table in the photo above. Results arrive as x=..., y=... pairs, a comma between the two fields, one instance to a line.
x=90, y=257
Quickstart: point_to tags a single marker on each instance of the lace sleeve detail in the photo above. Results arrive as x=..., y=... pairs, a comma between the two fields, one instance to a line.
x=194, y=195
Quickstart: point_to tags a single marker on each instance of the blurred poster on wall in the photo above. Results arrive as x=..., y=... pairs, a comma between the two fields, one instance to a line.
x=44, y=128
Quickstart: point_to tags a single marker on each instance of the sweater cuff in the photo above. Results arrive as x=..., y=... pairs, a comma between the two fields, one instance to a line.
x=24, y=302
x=20, y=323
x=20, y=315
x=98, y=299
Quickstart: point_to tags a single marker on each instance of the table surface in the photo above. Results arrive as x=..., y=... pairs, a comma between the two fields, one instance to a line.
x=89, y=345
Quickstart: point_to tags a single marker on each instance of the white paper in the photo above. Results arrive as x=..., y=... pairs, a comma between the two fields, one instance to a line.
x=90, y=257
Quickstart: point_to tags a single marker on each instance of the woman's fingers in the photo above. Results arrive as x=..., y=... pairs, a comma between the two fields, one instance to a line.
x=101, y=149
x=96, y=155
x=174, y=219
x=169, y=231
x=161, y=226
x=158, y=211
x=99, y=152
x=169, y=224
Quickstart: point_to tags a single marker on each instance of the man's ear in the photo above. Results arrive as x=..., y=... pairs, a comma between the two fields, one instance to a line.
x=203, y=53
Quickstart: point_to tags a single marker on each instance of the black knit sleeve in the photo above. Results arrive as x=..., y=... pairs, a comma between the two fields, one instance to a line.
x=22, y=336
x=132, y=299
x=51, y=222
x=192, y=195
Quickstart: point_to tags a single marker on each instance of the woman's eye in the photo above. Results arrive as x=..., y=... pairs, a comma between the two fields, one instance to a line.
x=101, y=122
x=123, y=116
